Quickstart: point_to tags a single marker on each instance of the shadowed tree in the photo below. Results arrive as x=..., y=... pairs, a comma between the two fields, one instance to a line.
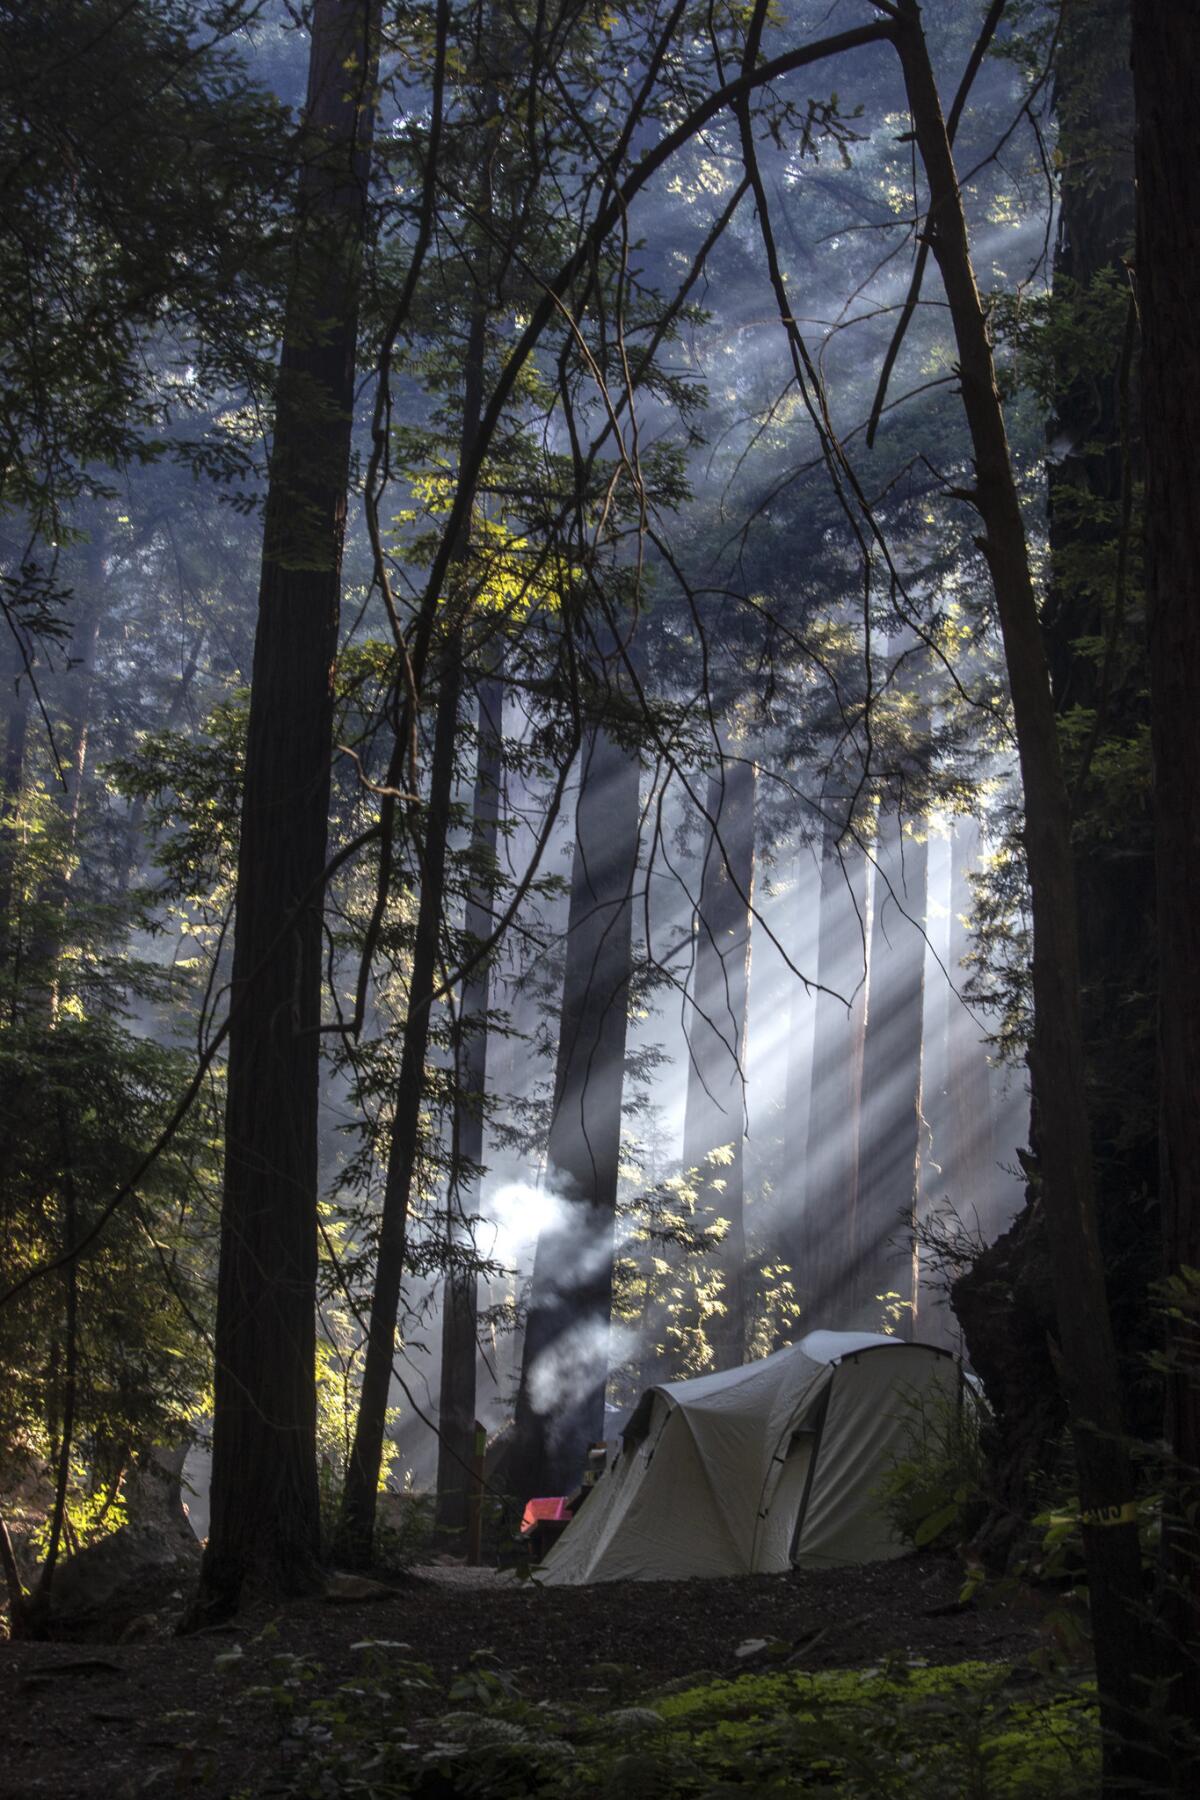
x=564, y=1370
x=828, y=1221
x=884, y=1250
x=802, y=1002
x=265, y=1522
x=460, y=1300
x=1166, y=53
x=714, y=1115
x=1088, y=1365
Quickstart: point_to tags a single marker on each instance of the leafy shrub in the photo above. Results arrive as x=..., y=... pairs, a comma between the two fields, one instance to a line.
x=902, y=1731
x=933, y=1493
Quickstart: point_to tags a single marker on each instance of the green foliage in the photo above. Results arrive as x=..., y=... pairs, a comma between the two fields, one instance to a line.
x=904, y=1731
x=668, y=1288
x=80, y=1103
x=934, y=1492
x=189, y=784
x=139, y=241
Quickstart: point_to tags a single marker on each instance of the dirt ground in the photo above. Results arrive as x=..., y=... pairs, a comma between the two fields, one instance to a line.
x=159, y=1714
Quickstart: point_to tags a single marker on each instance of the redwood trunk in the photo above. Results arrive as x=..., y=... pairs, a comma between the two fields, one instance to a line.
x=1166, y=55
x=802, y=1001
x=564, y=1370
x=265, y=1523
x=830, y=1177
x=460, y=1298
x=714, y=1116
x=1088, y=1363
x=883, y=1250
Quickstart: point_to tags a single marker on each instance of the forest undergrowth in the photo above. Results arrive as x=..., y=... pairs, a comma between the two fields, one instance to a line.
x=855, y=1681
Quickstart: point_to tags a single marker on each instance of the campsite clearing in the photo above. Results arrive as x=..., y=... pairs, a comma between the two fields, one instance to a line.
x=96, y=1720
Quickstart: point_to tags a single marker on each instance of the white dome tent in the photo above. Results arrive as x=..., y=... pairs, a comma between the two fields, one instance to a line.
x=755, y=1469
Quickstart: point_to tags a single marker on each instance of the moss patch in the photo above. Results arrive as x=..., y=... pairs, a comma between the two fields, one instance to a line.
x=902, y=1731
x=977, y=1729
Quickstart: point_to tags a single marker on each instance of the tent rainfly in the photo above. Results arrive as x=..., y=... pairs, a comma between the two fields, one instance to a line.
x=752, y=1470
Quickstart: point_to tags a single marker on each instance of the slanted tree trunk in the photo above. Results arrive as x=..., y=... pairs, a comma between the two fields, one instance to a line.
x=356, y=1531
x=1166, y=54
x=265, y=1522
x=564, y=1367
x=715, y=1109
x=460, y=1298
x=884, y=1248
x=1088, y=1356
x=831, y=1174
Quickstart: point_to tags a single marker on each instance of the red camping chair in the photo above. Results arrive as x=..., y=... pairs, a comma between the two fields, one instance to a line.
x=543, y=1523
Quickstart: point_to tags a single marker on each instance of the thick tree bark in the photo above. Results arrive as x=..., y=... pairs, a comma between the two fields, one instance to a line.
x=830, y=1178
x=1166, y=55
x=265, y=1523
x=1088, y=1356
x=564, y=1369
x=460, y=1299
x=357, y=1526
x=884, y=1249
x=1093, y=597
x=714, y=1113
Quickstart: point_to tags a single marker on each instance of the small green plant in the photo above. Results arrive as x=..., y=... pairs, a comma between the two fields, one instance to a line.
x=901, y=1731
x=404, y=1530
x=934, y=1492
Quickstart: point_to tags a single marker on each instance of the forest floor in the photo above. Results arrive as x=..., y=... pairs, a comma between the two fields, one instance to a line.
x=202, y=1715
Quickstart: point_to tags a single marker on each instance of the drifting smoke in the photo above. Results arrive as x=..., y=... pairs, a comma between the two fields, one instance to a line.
x=566, y=1373
x=521, y=1217
x=515, y=1216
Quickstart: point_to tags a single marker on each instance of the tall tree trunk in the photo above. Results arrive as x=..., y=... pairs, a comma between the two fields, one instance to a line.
x=715, y=1109
x=460, y=1298
x=1166, y=54
x=802, y=1003
x=564, y=1367
x=1093, y=597
x=265, y=1521
x=883, y=1250
x=1088, y=1356
x=831, y=1174
x=362, y=1476
x=357, y=1525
